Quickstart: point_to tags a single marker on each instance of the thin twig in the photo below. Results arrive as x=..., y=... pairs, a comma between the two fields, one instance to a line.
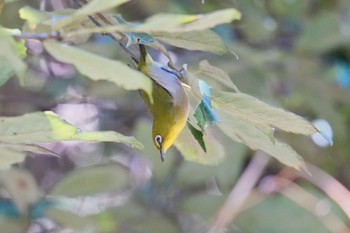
x=307, y=201
x=106, y=21
x=332, y=187
x=38, y=36
x=240, y=193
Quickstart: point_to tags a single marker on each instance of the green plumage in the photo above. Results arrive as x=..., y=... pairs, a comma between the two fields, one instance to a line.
x=170, y=101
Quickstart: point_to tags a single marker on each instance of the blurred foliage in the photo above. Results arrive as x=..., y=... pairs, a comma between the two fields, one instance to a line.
x=291, y=53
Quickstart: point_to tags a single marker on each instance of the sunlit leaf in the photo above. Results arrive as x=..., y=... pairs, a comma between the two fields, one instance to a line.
x=99, y=68
x=92, y=180
x=13, y=51
x=94, y=6
x=174, y=23
x=33, y=16
x=218, y=74
x=44, y=127
x=108, y=136
x=247, y=108
x=185, y=23
x=253, y=137
x=36, y=127
x=192, y=150
x=204, y=40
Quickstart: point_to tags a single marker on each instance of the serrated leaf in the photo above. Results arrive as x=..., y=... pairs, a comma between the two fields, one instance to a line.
x=218, y=74
x=92, y=7
x=248, y=134
x=92, y=180
x=108, y=136
x=99, y=68
x=198, y=135
x=247, y=108
x=205, y=40
x=192, y=151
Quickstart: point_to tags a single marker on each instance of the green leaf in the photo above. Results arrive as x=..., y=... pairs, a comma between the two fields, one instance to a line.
x=45, y=127
x=9, y=156
x=256, y=139
x=99, y=68
x=204, y=113
x=60, y=129
x=33, y=16
x=134, y=38
x=249, y=109
x=16, y=153
x=174, y=23
x=68, y=219
x=12, y=52
x=92, y=180
x=319, y=28
x=93, y=7
x=38, y=127
x=204, y=40
x=185, y=23
x=108, y=136
x=218, y=74
x=192, y=150
x=6, y=71
x=198, y=135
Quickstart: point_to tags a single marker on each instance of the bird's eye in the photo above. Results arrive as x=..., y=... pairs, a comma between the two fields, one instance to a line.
x=158, y=139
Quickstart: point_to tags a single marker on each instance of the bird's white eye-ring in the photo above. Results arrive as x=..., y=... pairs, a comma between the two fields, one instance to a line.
x=158, y=139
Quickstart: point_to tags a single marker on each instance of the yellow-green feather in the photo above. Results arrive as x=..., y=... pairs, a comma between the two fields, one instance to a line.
x=171, y=105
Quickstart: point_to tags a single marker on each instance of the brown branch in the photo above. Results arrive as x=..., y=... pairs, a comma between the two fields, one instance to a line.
x=38, y=36
x=106, y=21
x=239, y=193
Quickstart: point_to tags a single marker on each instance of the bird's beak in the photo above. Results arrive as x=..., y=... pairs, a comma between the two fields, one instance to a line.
x=161, y=151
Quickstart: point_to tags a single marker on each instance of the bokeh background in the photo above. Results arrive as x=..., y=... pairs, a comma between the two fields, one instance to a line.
x=289, y=53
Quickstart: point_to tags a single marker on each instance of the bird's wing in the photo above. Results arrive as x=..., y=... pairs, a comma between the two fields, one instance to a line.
x=166, y=78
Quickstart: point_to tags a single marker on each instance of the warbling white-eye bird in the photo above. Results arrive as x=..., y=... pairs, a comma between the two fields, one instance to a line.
x=170, y=105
